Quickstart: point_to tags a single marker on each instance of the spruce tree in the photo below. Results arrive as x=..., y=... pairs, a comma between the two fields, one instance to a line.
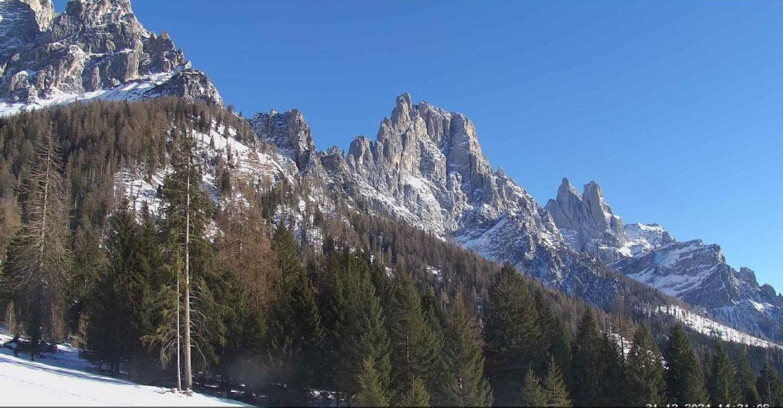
x=644, y=380
x=555, y=391
x=747, y=382
x=412, y=341
x=587, y=365
x=416, y=395
x=294, y=329
x=685, y=379
x=464, y=360
x=513, y=335
x=721, y=382
x=365, y=336
x=532, y=394
x=556, y=335
x=112, y=333
x=769, y=387
x=372, y=392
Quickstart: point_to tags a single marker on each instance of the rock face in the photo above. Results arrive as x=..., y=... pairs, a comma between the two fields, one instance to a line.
x=587, y=222
x=692, y=271
x=290, y=133
x=96, y=48
x=426, y=168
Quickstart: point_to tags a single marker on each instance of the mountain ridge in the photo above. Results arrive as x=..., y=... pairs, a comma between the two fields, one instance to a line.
x=94, y=49
x=425, y=166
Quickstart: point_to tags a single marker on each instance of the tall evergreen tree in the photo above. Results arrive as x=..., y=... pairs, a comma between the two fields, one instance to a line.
x=416, y=395
x=555, y=391
x=532, y=394
x=294, y=325
x=464, y=360
x=412, y=340
x=112, y=333
x=372, y=393
x=746, y=382
x=365, y=336
x=721, y=382
x=769, y=387
x=556, y=335
x=38, y=265
x=644, y=380
x=587, y=366
x=685, y=379
x=513, y=335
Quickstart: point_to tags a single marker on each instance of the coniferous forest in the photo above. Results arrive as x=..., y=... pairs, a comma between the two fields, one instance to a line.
x=359, y=319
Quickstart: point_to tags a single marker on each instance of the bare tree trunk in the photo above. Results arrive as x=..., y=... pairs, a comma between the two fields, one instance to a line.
x=188, y=374
x=179, y=348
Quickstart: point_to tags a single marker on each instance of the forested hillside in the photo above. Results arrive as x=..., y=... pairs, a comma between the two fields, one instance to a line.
x=298, y=296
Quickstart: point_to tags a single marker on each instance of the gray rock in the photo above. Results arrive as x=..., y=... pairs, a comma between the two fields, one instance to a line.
x=94, y=45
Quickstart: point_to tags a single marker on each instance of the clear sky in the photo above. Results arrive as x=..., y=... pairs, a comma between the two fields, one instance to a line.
x=675, y=108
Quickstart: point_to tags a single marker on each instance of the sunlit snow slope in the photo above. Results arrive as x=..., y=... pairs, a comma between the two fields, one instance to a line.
x=57, y=381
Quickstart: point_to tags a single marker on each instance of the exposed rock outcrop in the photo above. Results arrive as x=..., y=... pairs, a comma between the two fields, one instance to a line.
x=96, y=48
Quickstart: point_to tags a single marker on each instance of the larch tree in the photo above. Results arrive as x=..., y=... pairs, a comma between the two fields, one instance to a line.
x=39, y=260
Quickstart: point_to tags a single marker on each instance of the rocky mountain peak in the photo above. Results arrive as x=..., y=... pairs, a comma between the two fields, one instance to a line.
x=288, y=131
x=95, y=49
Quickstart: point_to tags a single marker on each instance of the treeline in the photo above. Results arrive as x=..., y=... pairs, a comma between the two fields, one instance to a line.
x=379, y=314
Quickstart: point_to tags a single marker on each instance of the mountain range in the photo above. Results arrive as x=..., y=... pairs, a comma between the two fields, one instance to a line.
x=425, y=168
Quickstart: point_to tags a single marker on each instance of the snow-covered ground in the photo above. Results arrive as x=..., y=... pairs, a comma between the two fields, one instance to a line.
x=710, y=327
x=60, y=379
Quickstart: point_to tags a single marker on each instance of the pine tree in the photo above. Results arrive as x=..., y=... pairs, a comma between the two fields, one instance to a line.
x=416, y=395
x=533, y=394
x=746, y=382
x=513, y=335
x=556, y=335
x=644, y=380
x=365, y=336
x=294, y=325
x=464, y=360
x=685, y=379
x=438, y=378
x=587, y=366
x=555, y=391
x=111, y=333
x=769, y=387
x=38, y=265
x=371, y=390
x=188, y=254
x=612, y=368
x=721, y=383
x=412, y=341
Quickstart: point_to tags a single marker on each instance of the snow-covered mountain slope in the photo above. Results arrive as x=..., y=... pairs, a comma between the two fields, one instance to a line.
x=705, y=325
x=692, y=271
x=249, y=164
x=95, y=49
x=426, y=168
x=62, y=378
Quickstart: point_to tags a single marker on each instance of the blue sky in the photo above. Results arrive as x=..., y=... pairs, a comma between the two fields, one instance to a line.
x=675, y=108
